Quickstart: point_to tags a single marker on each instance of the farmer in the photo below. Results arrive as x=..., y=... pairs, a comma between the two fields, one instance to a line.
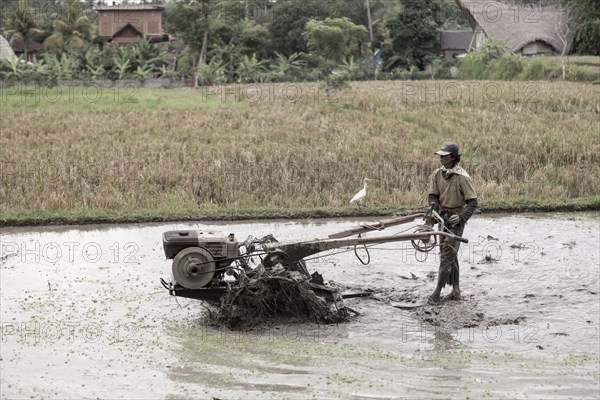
x=451, y=191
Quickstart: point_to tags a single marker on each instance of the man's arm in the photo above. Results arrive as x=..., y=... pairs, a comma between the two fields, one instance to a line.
x=434, y=192
x=468, y=191
x=468, y=211
x=434, y=199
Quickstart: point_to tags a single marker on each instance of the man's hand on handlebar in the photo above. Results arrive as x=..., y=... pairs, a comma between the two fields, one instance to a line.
x=454, y=219
x=429, y=220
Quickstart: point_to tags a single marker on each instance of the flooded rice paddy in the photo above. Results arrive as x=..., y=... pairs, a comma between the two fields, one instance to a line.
x=83, y=315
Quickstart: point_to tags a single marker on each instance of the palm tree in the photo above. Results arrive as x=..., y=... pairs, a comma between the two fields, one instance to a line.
x=70, y=26
x=204, y=6
x=21, y=25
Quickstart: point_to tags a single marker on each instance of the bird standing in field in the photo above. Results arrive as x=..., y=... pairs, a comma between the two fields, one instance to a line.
x=360, y=196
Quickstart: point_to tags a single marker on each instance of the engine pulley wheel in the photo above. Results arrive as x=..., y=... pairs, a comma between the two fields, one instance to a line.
x=193, y=267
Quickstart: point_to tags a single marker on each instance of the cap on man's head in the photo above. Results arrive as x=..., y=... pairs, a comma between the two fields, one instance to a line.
x=448, y=148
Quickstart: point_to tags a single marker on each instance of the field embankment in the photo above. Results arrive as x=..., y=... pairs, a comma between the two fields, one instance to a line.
x=86, y=154
x=512, y=67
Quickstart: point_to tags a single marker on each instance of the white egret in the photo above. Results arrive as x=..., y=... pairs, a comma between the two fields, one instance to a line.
x=360, y=196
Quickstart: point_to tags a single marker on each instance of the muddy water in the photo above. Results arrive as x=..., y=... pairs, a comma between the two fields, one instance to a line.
x=83, y=316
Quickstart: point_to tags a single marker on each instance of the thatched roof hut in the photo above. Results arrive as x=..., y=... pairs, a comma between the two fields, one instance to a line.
x=525, y=29
x=19, y=45
x=455, y=43
x=6, y=52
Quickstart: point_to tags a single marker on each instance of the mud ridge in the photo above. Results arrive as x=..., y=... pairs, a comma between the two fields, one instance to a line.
x=313, y=214
x=448, y=314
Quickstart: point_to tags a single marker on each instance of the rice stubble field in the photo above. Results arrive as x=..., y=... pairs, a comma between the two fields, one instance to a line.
x=73, y=152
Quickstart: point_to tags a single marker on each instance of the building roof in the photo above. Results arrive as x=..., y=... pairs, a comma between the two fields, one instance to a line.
x=18, y=45
x=153, y=38
x=456, y=40
x=129, y=7
x=128, y=27
x=517, y=25
x=6, y=52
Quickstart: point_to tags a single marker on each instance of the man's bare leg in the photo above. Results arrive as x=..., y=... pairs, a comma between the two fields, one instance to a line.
x=453, y=295
x=435, y=296
x=456, y=292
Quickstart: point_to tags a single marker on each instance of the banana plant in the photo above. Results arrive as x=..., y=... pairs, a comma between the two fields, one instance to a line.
x=284, y=68
x=166, y=72
x=39, y=70
x=59, y=67
x=143, y=73
x=228, y=58
x=250, y=69
x=87, y=59
x=96, y=71
x=147, y=53
x=212, y=73
x=11, y=70
x=122, y=62
x=122, y=68
x=351, y=69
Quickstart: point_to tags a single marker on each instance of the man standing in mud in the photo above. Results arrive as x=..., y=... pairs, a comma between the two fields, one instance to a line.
x=453, y=197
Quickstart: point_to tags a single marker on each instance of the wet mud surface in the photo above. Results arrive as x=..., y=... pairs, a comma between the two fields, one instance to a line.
x=83, y=315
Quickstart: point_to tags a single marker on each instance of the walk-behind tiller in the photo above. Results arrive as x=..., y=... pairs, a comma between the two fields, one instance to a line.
x=207, y=263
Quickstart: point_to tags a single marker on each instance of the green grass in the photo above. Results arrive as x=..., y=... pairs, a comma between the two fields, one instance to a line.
x=89, y=98
x=88, y=216
x=96, y=216
x=537, y=68
x=578, y=68
x=579, y=60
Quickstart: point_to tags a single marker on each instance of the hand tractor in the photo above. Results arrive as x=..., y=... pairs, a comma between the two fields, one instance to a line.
x=206, y=263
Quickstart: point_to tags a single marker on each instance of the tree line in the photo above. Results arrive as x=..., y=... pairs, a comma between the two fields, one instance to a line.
x=255, y=40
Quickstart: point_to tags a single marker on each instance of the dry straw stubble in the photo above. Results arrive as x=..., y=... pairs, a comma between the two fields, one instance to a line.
x=185, y=149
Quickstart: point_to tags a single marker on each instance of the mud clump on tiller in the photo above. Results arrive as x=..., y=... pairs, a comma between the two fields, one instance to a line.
x=278, y=293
